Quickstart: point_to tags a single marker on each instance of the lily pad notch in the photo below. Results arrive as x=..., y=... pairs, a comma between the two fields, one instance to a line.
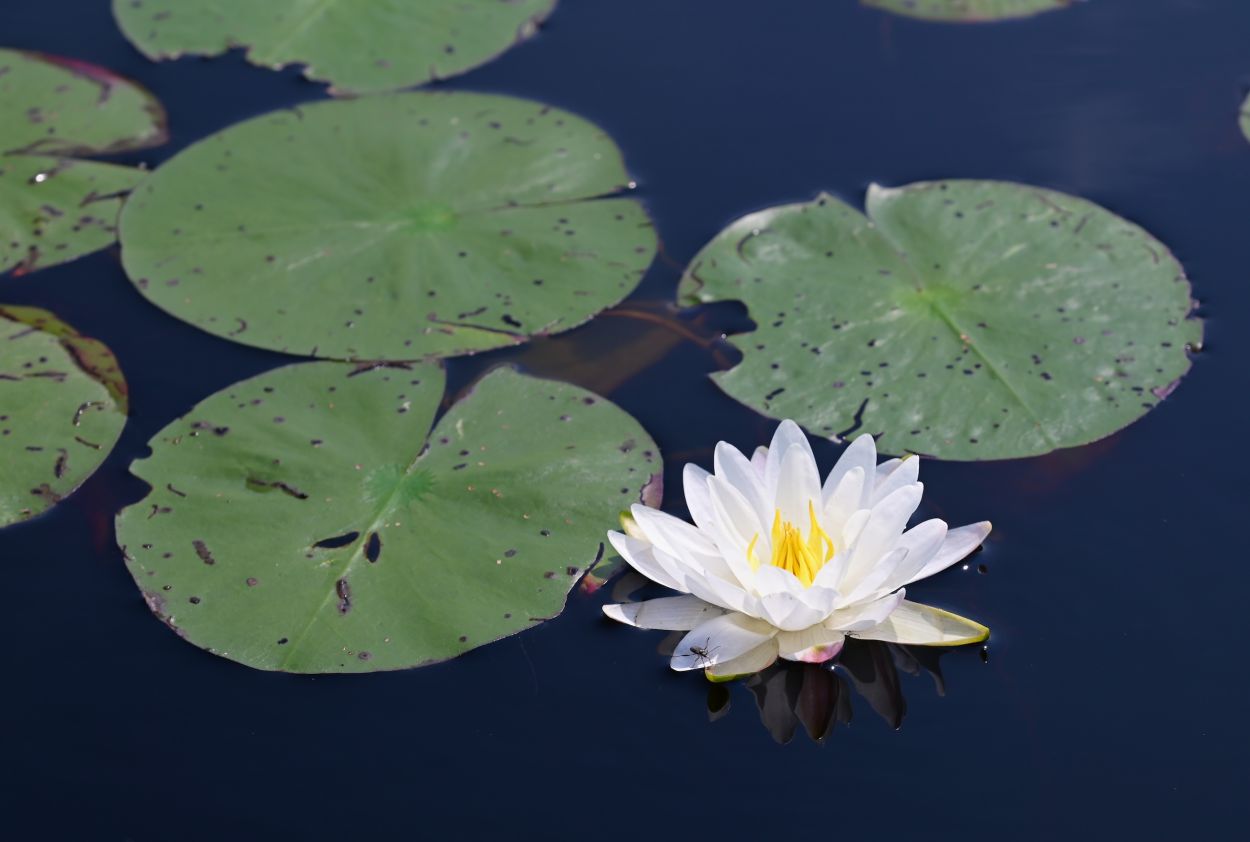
x=63, y=404
x=357, y=46
x=317, y=518
x=55, y=207
x=399, y=227
x=956, y=319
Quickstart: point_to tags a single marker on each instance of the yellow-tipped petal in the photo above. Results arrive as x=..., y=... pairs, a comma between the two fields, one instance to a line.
x=923, y=625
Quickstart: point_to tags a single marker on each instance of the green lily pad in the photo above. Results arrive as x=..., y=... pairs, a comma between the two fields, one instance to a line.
x=959, y=319
x=968, y=11
x=62, y=409
x=359, y=46
x=398, y=227
x=54, y=208
x=308, y=520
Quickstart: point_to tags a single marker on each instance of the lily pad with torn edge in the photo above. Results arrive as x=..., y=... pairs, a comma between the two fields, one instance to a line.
x=968, y=11
x=958, y=319
x=308, y=519
x=63, y=404
x=397, y=227
x=55, y=207
x=359, y=46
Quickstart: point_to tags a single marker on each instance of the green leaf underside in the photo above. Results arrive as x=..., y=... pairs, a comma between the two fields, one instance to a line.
x=62, y=409
x=303, y=521
x=961, y=319
x=1245, y=118
x=359, y=46
x=968, y=11
x=403, y=226
x=52, y=208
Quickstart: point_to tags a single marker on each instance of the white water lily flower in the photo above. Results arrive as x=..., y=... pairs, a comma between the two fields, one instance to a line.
x=779, y=564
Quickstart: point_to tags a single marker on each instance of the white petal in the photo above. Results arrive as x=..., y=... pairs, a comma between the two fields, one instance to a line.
x=734, y=528
x=893, y=475
x=958, y=543
x=719, y=640
x=698, y=500
x=672, y=535
x=733, y=468
x=881, y=532
x=924, y=625
x=862, y=453
x=812, y=645
x=641, y=556
x=866, y=615
x=843, y=501
x=714, y=589
x=854, y=525
x=759, y=460
x=788, y=435
x=748, y=663
x=798, y=487
x=922, y=542
x=874, y=580
x=789, y=612
x=675, y=613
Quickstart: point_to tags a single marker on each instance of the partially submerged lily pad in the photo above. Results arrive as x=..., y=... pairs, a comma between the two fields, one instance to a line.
x=62, y=408
x=359, y=46
x=404, y=226
x=309, y=520
x=968, y=11
x=959, y=319
x=54, y=208
x=1244, y=121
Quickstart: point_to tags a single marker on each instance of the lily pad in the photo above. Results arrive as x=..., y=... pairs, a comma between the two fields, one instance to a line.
x=54, y=208
x=359, y=46
x=968, y=11
x=959, y=319
x=62, y=408
x=309, y=520
x=1244, y=120
x=398, y=227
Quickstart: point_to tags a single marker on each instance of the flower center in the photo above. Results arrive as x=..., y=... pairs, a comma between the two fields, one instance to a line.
x=803, y=558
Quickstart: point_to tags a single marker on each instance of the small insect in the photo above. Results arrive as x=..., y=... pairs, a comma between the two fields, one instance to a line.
x=704, y=653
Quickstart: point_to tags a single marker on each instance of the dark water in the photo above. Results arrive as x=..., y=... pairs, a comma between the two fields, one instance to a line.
x=1113, y=703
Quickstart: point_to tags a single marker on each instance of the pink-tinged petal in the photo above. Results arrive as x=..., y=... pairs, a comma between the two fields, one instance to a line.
x=812, y=645
x=798, y=487
x=732, y=467
x=641, y=556
x=719, y=640
x=923, y=625
x=857, y=618
x=862, y=453
x=956, y=547
x=787, y=435
x=748, y=663
x=893, y=475
x=672, y=613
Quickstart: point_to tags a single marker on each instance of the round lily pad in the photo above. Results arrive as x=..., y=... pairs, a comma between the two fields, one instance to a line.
x=398, y=227
x=968, y=11
x=359, y=46
x=958, y=319
x=54, y=208
x=309, y=520
x=62, y=409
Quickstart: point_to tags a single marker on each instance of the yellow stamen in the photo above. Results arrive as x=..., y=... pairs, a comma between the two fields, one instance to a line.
x=790, y=552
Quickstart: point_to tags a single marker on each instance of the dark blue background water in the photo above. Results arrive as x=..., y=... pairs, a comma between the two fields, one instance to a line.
x=1114, y=700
